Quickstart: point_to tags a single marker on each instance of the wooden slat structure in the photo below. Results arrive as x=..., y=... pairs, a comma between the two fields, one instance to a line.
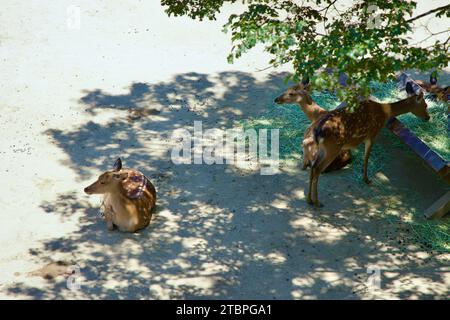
x=439, y=165
x=431, y=158
x=441, y=207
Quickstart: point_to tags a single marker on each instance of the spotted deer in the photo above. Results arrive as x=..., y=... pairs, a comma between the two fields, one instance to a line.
x=441, y=93
x=428, y=86
x=299, y=94
x=432, y=87
x=128, y=198
x=342, y=129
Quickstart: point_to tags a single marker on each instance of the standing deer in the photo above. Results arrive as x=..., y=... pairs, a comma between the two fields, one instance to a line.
x=341, y=129
x=441, y=93
x=129, y=198
x=428, y=86
x=299, y=94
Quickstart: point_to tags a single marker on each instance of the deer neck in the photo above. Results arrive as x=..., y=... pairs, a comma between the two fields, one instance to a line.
x=310, y=108
x=116, y=190
x=399, y=107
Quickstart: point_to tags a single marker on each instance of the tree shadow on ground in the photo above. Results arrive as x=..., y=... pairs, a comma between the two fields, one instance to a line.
x=223, y=232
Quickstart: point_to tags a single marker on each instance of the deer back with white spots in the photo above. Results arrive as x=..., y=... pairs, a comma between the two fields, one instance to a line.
x=343, y=129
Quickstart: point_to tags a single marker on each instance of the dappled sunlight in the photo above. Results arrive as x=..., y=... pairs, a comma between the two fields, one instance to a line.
x=319, y=231
x=322, y=282
x=219, y=231
x=273, y=257
x=280, y=204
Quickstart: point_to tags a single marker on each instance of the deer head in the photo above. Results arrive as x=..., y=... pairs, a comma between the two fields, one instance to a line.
x=418, y=105
x=108, y=181
x=298, y=93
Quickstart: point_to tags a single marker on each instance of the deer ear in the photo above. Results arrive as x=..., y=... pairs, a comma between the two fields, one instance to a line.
x=433, y=79
x=409, y=88
x=413, y=88
x=117, y=165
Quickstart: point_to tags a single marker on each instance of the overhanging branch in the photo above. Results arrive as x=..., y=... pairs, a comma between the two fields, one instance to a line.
x=429, y=12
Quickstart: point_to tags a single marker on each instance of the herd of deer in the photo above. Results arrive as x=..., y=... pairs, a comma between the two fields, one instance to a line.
x=328, y=140
x=129, y=197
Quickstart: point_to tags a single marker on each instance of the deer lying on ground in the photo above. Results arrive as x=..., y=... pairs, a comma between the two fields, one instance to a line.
x=299, y=94
x=129, y=198
x=341, y=129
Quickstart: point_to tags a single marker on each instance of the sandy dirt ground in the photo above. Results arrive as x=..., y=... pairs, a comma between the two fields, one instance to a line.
x=218, y=231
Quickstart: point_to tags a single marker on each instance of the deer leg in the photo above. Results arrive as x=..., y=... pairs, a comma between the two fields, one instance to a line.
x=109, y=219
x=305, y=164
x=367, y=149
x=323, y=159
x=311, y=177
x=315, y=173
x=306, y=153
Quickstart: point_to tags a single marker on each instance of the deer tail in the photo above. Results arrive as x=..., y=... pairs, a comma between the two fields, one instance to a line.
x=319, y=131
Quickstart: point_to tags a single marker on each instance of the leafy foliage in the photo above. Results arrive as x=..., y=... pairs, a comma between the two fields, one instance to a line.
x=364, y=43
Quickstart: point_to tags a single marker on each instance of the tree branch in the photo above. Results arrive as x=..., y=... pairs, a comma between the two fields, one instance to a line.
x=432, y=35
x=325, y=15
x=327, y=7
x=428, y=13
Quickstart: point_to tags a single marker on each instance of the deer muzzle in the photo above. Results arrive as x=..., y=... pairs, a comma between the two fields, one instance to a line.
x=88, y=190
